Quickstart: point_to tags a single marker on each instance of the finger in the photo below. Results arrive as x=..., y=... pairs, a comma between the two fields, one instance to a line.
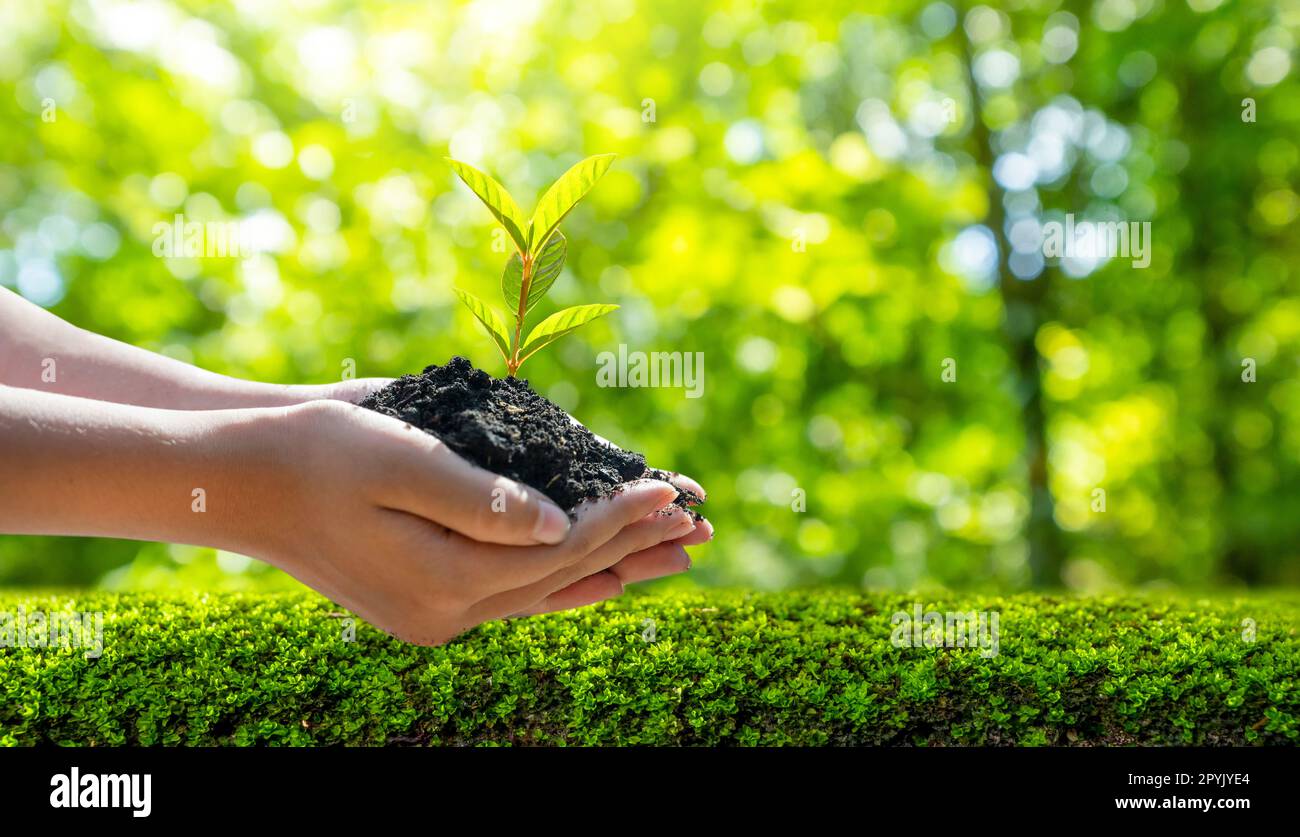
x=587, y=591
x=656, y=562
x=644, y=534
x=702, y=533
x=683, y=481
x=506, y=569
x=639, y=535
x=664, y=559
x=430, y=480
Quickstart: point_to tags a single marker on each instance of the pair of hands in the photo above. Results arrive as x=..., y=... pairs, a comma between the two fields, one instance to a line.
x=395, y=526
x=386, y=520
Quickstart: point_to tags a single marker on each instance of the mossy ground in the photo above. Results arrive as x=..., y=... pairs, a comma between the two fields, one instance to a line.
x=807, y=668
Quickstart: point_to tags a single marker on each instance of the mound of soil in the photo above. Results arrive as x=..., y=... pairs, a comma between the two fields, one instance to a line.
x=502, y=425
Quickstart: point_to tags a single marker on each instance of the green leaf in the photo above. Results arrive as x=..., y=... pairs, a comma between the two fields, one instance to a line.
x=563, y=195
x=495, y=328
x=561, y=323
x=546, y=268
x=495, y=197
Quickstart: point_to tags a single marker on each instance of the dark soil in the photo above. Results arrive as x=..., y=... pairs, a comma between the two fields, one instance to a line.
x=502, y=425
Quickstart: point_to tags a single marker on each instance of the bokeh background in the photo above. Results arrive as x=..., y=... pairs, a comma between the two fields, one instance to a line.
x=826, y=199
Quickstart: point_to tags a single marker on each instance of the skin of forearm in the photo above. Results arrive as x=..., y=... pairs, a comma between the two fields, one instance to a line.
x=74, y=466
x=42, y=352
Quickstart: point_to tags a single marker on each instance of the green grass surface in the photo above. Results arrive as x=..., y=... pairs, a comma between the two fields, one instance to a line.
x=723, y=668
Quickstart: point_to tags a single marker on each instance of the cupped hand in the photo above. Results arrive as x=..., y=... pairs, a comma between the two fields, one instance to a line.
x=657, y=562
x=389, y=522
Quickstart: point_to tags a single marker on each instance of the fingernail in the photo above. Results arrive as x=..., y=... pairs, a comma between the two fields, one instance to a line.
x=552, y=524
x=697, y=488
x=667, y=492
x=657, y=485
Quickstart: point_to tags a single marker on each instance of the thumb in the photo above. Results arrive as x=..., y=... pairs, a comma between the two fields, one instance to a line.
x=432, y=481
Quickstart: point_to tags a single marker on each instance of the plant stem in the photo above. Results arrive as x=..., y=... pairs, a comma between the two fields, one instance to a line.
x=526, y=279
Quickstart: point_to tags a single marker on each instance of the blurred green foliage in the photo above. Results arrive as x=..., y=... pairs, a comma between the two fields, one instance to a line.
x=828, y=200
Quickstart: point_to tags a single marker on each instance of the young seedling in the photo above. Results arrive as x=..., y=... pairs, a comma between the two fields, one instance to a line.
x=540, y=249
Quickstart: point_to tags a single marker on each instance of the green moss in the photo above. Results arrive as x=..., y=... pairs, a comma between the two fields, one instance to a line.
x=724, y=668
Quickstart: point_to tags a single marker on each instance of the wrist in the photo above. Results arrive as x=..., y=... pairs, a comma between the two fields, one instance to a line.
x=76, y=466
x=243, y=472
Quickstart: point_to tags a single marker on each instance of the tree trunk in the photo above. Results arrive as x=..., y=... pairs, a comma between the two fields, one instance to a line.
x=1023, y=314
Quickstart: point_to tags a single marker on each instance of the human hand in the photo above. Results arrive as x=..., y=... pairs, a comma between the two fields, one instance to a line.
x=389, y=522
x=661, y=560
